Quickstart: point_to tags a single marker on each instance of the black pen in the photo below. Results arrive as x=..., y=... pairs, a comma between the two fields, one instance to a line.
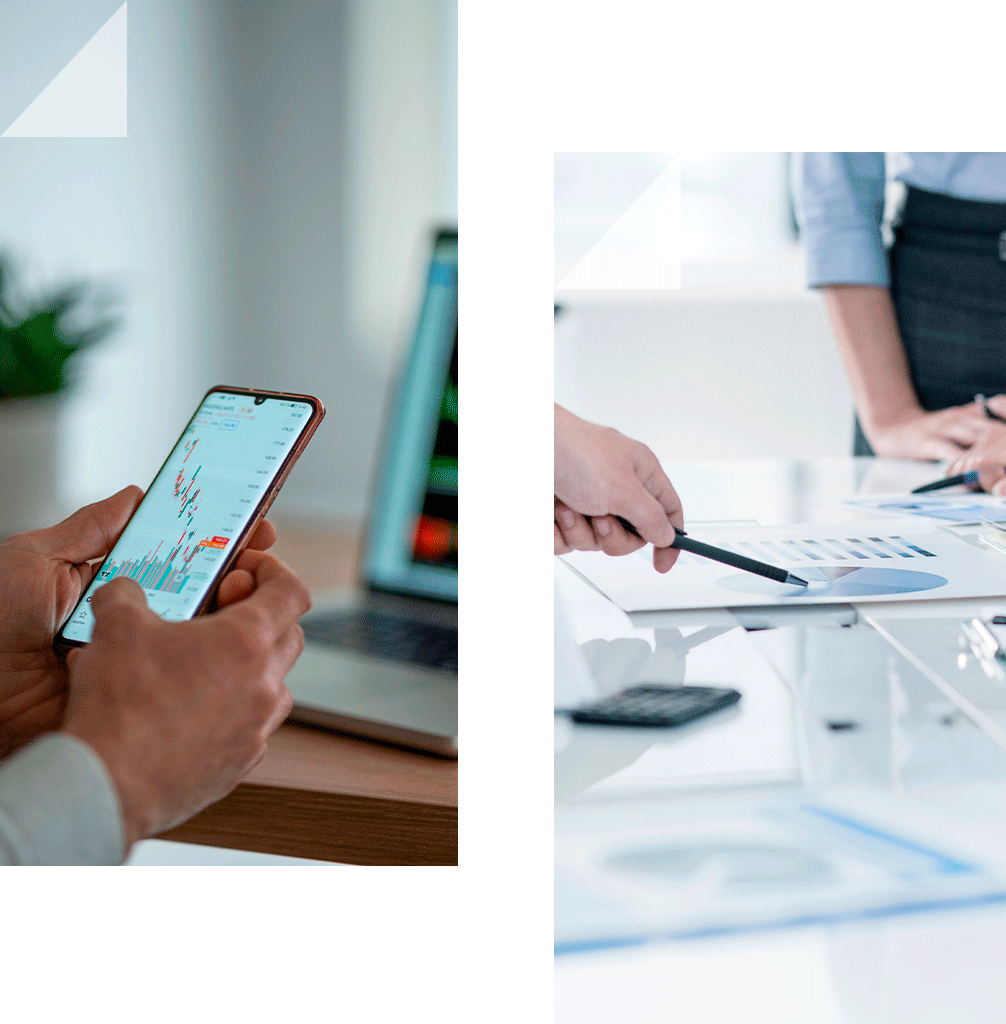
x=685, y=543
x=970, y=478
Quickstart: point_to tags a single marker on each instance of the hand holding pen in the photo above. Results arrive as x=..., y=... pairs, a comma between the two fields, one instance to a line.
x=697, y=547
x=601, y=474
x=983, y=465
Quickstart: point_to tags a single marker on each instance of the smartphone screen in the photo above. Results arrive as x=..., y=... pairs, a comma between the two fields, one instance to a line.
x=200, y=503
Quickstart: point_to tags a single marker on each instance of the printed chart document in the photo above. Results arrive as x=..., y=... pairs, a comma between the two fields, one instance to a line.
x=844, y=563
x=953, y=508
x=632, y=873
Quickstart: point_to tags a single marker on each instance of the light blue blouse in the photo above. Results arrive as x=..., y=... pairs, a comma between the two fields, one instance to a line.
x=839, y=202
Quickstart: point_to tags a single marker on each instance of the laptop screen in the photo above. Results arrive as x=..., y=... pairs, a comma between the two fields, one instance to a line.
x=412, y=543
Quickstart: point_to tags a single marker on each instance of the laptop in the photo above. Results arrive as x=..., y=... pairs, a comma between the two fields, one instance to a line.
x=383, y=664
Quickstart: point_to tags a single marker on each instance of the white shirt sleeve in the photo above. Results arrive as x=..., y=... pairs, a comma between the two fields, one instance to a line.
x=58, y=806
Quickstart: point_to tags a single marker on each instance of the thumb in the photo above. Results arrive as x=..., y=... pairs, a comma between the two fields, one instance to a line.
x=115, y=595
x=91, y=531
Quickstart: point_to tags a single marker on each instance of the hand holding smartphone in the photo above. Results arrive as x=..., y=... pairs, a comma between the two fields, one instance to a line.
x=205, y=502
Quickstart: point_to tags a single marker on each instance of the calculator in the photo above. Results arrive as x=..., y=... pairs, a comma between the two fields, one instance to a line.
x=655, y=707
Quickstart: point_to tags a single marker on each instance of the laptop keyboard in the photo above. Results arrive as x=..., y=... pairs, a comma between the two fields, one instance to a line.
x=381, y=635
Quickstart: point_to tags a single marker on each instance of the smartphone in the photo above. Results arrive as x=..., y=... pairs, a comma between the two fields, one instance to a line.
x=652, y=707
x=205, y=502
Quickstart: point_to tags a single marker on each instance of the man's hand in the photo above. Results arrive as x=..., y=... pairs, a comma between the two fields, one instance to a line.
x=179, y=712
x=42, y=575
x=600, y=474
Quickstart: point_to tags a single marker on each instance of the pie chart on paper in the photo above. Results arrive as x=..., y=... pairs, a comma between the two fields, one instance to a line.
x=836, y=581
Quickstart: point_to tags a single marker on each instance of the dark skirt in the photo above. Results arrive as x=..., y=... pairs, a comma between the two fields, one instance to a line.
x=948, y=282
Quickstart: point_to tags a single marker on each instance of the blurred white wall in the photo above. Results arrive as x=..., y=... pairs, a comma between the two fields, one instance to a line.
x=137, y=212
x=714, y=376
x=263, y=218
x=739, y=362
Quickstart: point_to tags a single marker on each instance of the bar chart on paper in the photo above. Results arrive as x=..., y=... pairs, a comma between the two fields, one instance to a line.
x=197, y=508
x=851, y=580
x=849, y=563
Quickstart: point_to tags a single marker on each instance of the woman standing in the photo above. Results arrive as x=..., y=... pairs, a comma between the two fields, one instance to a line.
x=921, y=326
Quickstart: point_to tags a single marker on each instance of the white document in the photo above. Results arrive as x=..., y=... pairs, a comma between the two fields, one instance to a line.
x=844, y=563
x=952, y=508
x=632, y=873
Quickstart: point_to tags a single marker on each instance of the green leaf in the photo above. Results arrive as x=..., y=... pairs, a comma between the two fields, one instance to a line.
x=35, y=347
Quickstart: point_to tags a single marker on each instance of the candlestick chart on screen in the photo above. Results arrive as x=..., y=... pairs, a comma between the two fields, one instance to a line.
x=200, y=502
x=435, y=541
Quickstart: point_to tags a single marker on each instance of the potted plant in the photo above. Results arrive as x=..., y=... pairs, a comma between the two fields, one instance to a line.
x=38, y=338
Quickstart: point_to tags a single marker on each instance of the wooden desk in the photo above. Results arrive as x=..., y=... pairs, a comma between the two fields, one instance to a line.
x=329, y=797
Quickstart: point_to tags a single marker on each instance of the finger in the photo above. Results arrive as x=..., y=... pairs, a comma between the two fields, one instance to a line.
x=288, y=648
x=235, y=586
x=91, y=531
x=264, y=536
x=969, y=411
x=280, y=712
x=279, y=594
x=649, y=500
x=284, y=705
x=664, y=558
x=579, y=535
x=958, y=464
x=117, y=592
x=86, y=571
x=613, y=538
x=565, y=517
x=962, y=464
x=997, y=404
x=561, y=547
x=940, y=448
x=989, y=474
x=964, y=432
x=646, y=514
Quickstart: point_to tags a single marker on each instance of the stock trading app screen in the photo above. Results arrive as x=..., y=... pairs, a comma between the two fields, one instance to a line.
x=199, y=504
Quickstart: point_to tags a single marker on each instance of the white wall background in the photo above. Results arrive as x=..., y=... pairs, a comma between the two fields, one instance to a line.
x=739, y=363
x=263, y=218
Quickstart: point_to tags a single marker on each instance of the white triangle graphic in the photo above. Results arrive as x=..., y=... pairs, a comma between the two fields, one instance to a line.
x=642, y=249
x=87, y=99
